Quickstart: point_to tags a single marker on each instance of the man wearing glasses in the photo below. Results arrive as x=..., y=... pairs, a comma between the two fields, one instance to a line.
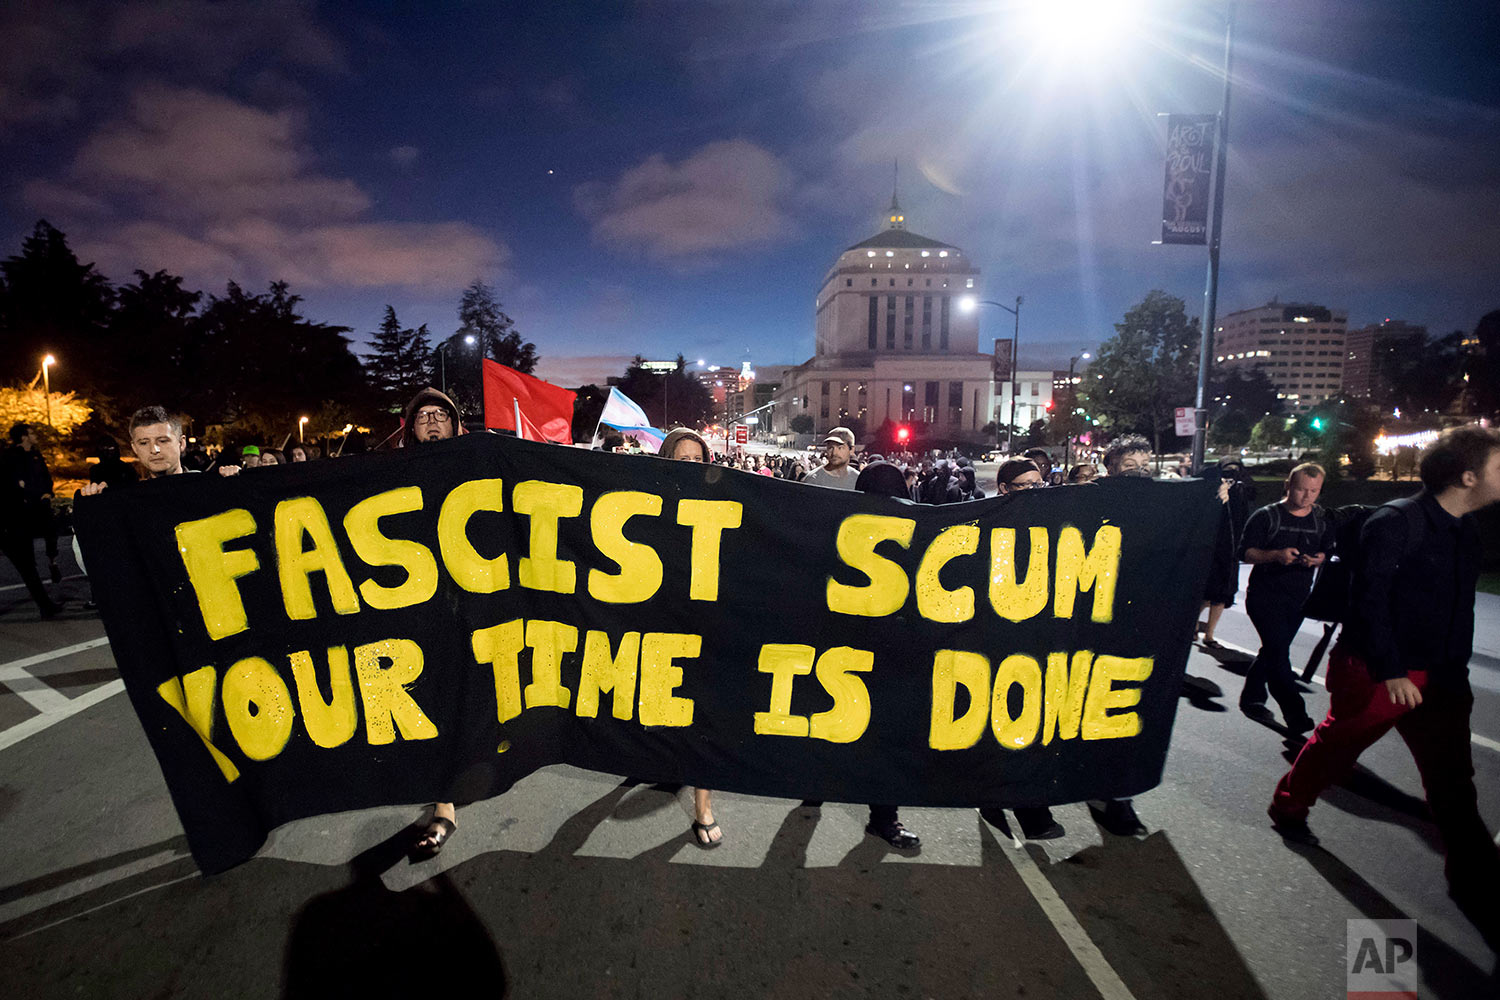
x=431, y=416
x=1018, y=474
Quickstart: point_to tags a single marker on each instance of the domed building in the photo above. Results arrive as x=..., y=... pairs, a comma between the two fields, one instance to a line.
x=892, y=342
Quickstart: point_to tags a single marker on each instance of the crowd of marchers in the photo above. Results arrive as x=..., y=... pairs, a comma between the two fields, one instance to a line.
x=1406, y=579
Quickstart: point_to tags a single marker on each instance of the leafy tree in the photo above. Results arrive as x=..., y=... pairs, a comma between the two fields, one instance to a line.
x=802, y=423
x=264, y=364
x=1422, y=376
x=1230, y=431
x=1146, y=370
x=51, y=303
x=155, y=346
x=672, y=396
x=1481, y=367
x=1270, y=433
x=397, y=365
x=494, y=336
x=1250, y=392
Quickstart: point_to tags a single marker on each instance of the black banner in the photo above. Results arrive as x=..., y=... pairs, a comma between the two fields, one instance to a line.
x=439, y=622
x=1190, y=148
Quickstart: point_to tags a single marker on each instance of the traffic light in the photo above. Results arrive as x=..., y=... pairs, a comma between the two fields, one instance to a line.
x=1049, y=406
x=1317, y=423
x=903, y=434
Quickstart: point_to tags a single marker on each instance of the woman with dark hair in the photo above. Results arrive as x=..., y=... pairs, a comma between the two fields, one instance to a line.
x=271, y=456
x=686, y=445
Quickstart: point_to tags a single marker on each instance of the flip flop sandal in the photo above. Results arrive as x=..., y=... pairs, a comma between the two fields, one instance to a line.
x=703, y=835
x=439, y=830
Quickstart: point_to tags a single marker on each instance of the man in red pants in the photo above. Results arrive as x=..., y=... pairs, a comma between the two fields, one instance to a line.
x=1402, y=661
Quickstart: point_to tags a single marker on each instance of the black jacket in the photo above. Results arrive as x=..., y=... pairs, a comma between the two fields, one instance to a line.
x=1415, y=612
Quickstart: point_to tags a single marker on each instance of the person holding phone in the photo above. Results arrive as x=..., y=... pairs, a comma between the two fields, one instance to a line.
x=1286, y=542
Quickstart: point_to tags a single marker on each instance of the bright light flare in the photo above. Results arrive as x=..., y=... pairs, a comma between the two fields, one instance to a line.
x=967, y=303
x=1078, y=29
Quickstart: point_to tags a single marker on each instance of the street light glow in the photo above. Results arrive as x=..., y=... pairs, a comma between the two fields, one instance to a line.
x=48, y=360
x=469, y=340
x=967, y=303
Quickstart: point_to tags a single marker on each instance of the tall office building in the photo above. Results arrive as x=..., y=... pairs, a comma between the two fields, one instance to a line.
x=1364, y=375
x=1299, y=346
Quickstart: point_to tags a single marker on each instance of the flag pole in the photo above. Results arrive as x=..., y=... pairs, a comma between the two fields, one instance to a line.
x=517, y=403
x=595, y=441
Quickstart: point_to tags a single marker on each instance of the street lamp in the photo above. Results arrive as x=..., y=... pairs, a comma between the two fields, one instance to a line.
x=1073, y=403
x=442, y=349
x=968, y=304
x=47, y=363
x=301, y=426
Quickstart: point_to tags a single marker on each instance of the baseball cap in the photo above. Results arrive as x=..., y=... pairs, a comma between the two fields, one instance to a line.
x=840, y=435
x=250, y=449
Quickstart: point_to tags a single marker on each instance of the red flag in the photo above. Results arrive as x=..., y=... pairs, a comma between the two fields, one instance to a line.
x=546, y=409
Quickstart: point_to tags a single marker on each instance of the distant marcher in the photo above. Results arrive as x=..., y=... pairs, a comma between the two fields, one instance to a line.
x=1018, y=474
x=296, y=453
x=838, y=449
x=250, y=456
x=15, y=540
x=1083, y=472
x=27, y=463
x=1043, y=463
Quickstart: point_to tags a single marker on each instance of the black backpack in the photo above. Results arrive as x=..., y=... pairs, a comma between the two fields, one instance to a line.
x=1333, y=591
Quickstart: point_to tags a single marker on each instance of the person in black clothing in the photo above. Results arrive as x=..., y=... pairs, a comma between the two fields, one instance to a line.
x=1237, y=490
x=1402, y=660
x=1286, y=542
x=885, y=479
x=15, y=541
x=26, y=462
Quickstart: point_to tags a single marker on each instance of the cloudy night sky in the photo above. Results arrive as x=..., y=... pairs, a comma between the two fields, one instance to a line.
x=670, y=178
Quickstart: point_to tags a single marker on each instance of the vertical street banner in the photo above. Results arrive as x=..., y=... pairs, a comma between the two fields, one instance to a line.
x=1190, y=151
x=438, y=622
x=1003, y=347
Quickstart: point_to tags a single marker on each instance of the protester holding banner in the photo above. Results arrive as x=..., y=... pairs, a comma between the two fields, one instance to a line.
x=684, y=445
x=1127, y=457
x=884, y=479
x=432, y=416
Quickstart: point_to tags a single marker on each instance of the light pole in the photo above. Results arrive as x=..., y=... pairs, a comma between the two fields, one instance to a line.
x=1073, y=405
x=1211, y=287
x=301, y=426
x=442, y=349
x=968, y=304
x=47, y=363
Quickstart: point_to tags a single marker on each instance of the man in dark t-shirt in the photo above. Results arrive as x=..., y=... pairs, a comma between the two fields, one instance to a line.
x=1286, y=542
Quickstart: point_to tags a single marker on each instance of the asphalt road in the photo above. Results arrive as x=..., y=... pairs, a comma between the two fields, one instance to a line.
x=578, y=884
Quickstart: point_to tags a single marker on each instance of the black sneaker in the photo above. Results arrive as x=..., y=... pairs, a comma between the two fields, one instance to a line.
x=1037, y=824
x=1295, y=830
x=896, y=835
x=56, y=572
x=1119, y=818
x=1302, y=726
x=1257, y=711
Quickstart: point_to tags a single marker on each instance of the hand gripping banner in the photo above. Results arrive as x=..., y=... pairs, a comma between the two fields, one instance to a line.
x=436, y=623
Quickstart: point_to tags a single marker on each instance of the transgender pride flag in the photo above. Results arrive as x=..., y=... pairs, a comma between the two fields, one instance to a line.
x=625, y=415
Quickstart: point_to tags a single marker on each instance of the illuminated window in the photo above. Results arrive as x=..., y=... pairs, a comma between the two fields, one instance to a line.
x=890, y=253
x=970, y=283
x=942, y=253
x=926, y=253
x=870, y=253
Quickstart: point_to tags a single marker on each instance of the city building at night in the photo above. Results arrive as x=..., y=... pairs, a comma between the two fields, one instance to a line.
x=1300, y=347
x=892, y=342
x=1364, y=375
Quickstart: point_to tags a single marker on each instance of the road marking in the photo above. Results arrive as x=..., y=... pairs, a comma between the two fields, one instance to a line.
x=1478, y=740
x=37, y=693
x=26, y=905
x=37, y=723
x=14, y=667
x=1095, y=966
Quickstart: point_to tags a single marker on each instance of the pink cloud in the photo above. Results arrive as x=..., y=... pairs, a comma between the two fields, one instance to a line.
x=723, y=197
